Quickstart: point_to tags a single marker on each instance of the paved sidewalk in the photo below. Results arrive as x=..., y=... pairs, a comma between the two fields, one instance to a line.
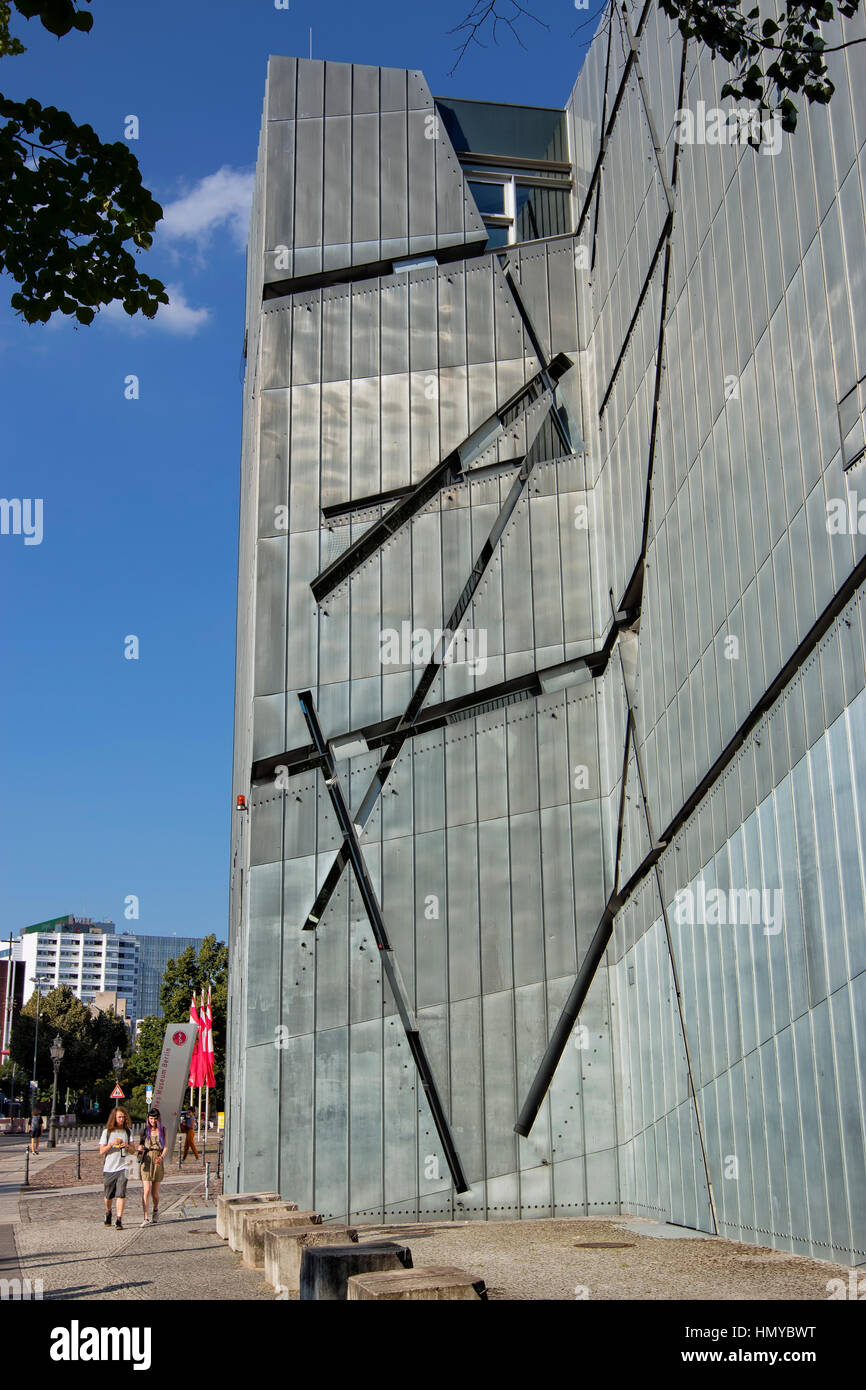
x=58, y=1235
x=63, y=1242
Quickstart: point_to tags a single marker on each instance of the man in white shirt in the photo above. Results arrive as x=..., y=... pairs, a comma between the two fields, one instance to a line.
x=114, y=1144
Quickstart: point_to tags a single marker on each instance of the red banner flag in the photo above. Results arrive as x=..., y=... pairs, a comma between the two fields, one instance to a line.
x=209, y=1075
x=195, y=1067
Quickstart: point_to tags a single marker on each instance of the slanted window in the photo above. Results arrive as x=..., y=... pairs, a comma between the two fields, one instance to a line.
x=852, y=409
x=516, y=160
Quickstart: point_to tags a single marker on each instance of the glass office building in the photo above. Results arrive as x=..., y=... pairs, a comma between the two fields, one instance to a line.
x=548, y=887
x=154, y=953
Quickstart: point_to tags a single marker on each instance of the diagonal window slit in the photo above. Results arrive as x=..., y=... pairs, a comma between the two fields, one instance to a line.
x=451, y=470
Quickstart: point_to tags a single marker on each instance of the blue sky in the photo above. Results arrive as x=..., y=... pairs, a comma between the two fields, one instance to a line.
x=116, y=774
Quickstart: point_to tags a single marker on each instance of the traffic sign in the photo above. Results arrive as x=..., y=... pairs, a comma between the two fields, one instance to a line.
x=117, y=1094
x=148, y=1094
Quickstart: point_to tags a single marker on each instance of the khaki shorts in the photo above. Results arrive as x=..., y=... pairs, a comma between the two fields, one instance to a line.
x=114, y=1184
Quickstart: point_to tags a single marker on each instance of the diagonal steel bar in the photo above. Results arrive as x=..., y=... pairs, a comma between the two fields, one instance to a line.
x=388, y=958
x=585, y=975
x=428, y=676
x=445, y=474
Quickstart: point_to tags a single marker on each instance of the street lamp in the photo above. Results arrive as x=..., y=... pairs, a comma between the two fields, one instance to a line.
x=117, y=1063
x=56, y=1059
x=38, y=980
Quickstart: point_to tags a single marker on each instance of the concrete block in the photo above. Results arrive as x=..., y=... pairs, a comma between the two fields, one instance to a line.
x=431, y=1284
x=284, y=1246
x=326, y=1269
x=234, y=1224
x=255, y=1223
x=234, y=1199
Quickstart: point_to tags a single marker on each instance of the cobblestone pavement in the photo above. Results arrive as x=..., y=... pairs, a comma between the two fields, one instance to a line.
x=61, y=1172
x=64, y=1242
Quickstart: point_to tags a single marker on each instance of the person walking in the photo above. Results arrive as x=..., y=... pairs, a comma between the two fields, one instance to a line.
x=114, y=1145
x=151, y=1152
x=187, y=1124
x=35, y=1129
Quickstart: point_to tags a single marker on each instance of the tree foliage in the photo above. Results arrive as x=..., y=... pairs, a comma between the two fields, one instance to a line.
x=89, y=1041
x=771, y=56
x=71, y=203
x=192, y=973
x=775, y=50
x=144, y=1061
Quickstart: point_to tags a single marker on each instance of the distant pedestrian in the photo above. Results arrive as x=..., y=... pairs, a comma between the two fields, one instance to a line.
x=114, y=1145
x=35, y=1130
x=187, y=1125
x=151, y=1152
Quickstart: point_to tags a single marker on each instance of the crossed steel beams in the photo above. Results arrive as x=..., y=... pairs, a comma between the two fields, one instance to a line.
x=542, y=385
x=407, y=720
x=451, y=470
x=389, y=961
x=534, y=683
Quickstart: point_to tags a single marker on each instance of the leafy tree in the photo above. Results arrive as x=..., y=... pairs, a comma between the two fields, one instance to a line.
x=192, y=973
x=70, y=202
x=89, y=1041
x=773, y=54
x=137, y=1104
x=144, y=1060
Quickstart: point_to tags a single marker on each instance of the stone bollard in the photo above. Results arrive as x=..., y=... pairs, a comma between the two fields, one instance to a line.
x=254, y=1224
x=227, y=1200
x=236, y=1214
x=78, y=1160
x=326, y=1269
x=284, y=1246
x=430, y=1284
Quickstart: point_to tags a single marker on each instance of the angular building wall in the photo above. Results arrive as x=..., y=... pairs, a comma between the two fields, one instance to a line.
x=605, y=458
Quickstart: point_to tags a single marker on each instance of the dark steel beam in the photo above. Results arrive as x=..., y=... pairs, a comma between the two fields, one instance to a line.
x=410, y=715
x=445, y=474
x=390, y=967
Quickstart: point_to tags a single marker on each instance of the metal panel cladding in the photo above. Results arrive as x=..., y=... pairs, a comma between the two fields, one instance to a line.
x=548, y=882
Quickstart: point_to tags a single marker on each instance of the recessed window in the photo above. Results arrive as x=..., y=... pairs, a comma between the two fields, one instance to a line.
x=489, y=196
x=517, y=163
x=497, y=236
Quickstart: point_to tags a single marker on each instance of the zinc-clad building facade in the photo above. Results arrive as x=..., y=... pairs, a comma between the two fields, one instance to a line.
x=582, y=393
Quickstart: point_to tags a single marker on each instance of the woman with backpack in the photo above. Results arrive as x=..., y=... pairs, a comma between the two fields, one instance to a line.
x=151, y=1152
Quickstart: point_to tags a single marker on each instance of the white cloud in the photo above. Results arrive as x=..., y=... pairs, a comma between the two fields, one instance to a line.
x=220, y=199
x=177, y=316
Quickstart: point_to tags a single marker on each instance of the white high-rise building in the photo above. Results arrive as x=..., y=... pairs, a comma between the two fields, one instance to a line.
x=90, y=957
